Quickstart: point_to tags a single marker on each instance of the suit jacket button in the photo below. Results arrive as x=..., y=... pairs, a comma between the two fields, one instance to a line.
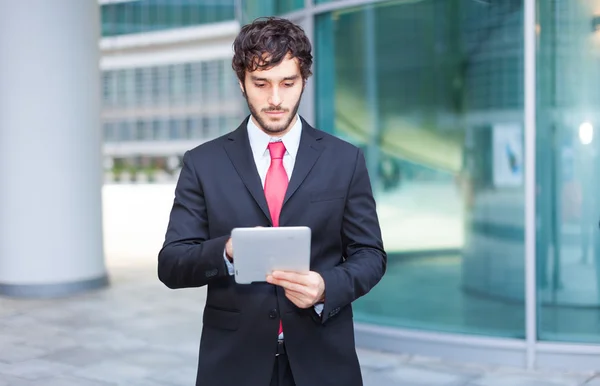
x=273, y=314
x=211, y=273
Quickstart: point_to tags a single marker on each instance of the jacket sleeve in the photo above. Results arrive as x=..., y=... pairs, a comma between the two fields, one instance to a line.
x=364, y=257
x=188, y=257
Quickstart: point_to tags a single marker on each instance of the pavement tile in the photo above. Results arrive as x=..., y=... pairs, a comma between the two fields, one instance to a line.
x=70, y=381
x=80, y=356
x=370, y=359
x=500, y=379
x=180, y=376
x=11, y=353
x=35, y=369
x=421, y=376
x=9, y=380
x=113, y=371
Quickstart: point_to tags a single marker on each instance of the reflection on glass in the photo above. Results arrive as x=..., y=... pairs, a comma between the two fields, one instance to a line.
x=568, y=172
x=432, y=91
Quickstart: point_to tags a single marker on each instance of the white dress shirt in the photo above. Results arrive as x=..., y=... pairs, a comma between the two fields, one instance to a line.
x=259, y=142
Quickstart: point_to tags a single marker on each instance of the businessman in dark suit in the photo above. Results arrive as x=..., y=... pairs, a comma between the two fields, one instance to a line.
x=275, y=170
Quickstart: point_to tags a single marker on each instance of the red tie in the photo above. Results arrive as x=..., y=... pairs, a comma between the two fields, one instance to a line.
x=276, y=184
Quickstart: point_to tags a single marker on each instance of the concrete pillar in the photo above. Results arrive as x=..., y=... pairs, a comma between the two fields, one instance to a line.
x=50, y=148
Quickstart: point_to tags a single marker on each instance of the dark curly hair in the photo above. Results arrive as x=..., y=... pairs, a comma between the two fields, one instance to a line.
x=265, y=43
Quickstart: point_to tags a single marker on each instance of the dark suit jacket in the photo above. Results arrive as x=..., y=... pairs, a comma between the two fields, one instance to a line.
x=219, y=189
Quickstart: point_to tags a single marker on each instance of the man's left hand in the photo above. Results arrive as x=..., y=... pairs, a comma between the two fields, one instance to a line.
x=302, y=289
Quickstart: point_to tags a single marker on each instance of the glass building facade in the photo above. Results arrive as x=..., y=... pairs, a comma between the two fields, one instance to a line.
x=479, y=122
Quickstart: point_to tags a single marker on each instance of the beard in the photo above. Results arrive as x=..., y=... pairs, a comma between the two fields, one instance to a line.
x=273, y=128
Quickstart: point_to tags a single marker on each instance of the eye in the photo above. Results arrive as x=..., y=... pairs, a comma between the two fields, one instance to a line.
x=259, y=85
x=288, y=84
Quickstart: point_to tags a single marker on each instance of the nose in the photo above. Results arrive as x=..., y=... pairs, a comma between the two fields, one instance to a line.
x=275, y=98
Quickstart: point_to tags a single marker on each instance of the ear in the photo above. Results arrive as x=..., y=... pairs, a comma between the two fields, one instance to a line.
x=242, y=87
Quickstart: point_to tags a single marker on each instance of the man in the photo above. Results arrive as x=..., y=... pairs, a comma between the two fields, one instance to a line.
x=275, y=170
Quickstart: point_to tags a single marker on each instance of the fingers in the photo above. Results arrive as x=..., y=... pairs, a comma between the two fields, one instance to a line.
x=305, y=294
x=303, y=289
x=295, y=277
x=288, y=285
x=229, y=250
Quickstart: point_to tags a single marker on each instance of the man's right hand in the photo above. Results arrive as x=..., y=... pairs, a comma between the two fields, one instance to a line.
x=229, y=250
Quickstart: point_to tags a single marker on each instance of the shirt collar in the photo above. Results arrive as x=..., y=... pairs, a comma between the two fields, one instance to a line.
x=259, y=140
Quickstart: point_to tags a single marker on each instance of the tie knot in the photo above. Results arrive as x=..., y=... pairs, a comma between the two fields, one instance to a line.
x=276, y=149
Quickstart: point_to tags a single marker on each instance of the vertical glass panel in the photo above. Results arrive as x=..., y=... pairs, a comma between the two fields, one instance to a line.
x=107, y=87
x=109, y=131
x=432, y=91
x=284, y=6
x=121, y=95
x=568, y=171
x=130, y=87
x=139, y=86
x=155, y=85
x=140, y=130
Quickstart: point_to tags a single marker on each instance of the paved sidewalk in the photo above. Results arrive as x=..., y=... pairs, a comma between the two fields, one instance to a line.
x=139, y=333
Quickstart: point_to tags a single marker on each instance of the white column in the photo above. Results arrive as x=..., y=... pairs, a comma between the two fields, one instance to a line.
x=50, y=148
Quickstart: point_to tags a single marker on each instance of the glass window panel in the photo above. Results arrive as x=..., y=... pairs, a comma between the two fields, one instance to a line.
x=125, y=131
x=139, y=86
x=432, y=92
x=259, y=8
x=568, y=164
x=150, y=15
x=189, y=128
x=158, y=130
x=209, y=81
x=121, y=95
x=188, y=81
x=284, y=6
x=140, y=134
x=176, y=128
x=171, y=72
x=196, y=83
x=192, y=13
x=129, y=97
x=106, y=15
x=109, y=132
x=107, y=87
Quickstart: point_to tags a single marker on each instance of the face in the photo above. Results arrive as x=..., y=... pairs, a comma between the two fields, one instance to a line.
x=273, y=96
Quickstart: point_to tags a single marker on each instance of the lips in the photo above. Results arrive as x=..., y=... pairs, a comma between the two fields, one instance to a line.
x=275, y=113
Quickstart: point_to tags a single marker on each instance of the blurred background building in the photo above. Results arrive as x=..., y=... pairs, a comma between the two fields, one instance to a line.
x=494, y=252
x=167, y=83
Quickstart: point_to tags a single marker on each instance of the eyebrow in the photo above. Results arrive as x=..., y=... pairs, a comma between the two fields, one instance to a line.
x=259, y=79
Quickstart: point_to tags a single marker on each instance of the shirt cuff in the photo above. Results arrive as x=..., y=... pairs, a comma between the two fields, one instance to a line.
x=319, y=308
x=230, y=268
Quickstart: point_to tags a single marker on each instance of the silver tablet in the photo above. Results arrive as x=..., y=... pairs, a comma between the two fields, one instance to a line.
x=259, y=251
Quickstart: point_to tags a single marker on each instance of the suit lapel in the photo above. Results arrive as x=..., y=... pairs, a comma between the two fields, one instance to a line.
x=240, y=154
x=309, y=152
